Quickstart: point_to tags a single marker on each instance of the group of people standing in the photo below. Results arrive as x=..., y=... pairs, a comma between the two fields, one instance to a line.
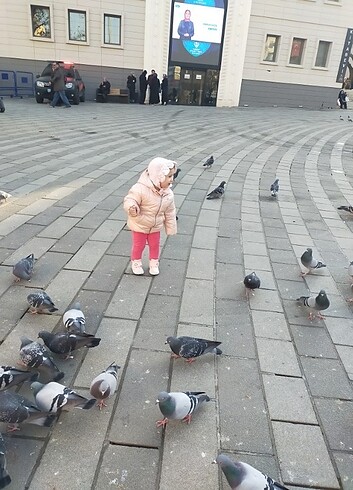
x=155, y=86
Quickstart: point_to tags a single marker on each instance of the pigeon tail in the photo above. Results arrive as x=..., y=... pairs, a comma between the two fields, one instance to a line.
x=5, y=478
x=53, y=309
x=217, y=351
x=89, y=404
x=320, y=265
x=93, y=342
x=41, y=419
x=59, y=376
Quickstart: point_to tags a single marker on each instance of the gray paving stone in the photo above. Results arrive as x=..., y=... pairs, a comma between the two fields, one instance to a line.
x=313, y=342
x=186, y=225
x=229, y=227
x=270, y=325
x=229, y=251
x=205, y=237
x=197, y=302
x=200, y=264
x=171, y=279
x=292, y=289
x=344, y=462
x=275, y=232
x=229, y=281
x=93, y=304
x=257, y=263
x=108, y=231
x=190, y=208
x=158, y=321
x=136, y=414
x=72, y=241
x=335, y=416
x=306, y=459
x=47, y=267
x=59, y=227
x=94, y=218
x=119, y=465
x=234, y=328
x=326, y=377
x=130, y=286
x=20, y=236
x=346, y=354
x=177, y=247
x=243, y=418
x=288, y=399
x=298, y=314
x=277, y=356
x=266, y=300
x=38, y=246
x=65, y=287
x=107, y=274
x=121, y=245
x=88, y=256
x=287, y=272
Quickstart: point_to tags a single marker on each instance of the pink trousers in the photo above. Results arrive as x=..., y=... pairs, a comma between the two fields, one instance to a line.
x=139, y=241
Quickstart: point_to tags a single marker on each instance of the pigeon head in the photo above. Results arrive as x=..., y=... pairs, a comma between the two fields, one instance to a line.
x=222, y=184
x=45, y=336
x=234, y=471
x=163, y=397
x=36, y=387
x=309, y=250
x=351, y=263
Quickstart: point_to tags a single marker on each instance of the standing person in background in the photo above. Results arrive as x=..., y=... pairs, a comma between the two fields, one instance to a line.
x=58, y=85
x=164, y=87
x=150, y=207
x=131, y=85
x=342, y=98
x=154, y=83
x=143, y=86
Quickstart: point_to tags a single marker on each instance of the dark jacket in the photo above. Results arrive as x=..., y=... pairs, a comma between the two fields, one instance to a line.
x=186, y=27
x=58, y=79
x=104, y=87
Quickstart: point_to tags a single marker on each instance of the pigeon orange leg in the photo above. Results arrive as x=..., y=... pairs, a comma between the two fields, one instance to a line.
x=311, y=316
x=175, y=356
x=189, y=361
x=17, y=279
x=101, y=404
x=187, y=419
x=12, y=427
x=321, y=317
x=162, y=423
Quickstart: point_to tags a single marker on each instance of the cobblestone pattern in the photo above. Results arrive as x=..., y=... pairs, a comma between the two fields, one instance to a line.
x=282, y=388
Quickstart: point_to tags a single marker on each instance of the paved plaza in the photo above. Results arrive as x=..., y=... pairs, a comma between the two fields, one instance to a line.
x=282, y=389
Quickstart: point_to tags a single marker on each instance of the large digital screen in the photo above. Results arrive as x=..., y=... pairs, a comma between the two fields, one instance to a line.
x=196, y=32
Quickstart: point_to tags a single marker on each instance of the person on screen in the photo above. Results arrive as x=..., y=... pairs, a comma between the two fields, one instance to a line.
x=186, y=26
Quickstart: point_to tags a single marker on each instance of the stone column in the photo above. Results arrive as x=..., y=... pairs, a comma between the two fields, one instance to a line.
x=157, y=21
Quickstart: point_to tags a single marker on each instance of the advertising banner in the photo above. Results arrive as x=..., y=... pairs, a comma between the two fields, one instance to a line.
x=196, y=32
x=345, y=56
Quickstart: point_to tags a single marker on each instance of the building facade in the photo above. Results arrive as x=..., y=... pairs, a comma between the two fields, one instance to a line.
x=215, y=52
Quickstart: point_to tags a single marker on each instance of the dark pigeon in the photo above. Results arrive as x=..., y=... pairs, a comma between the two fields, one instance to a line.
x=40, y=302
x=349, y=209
x=244, y=476
x=35, y=356
x=191, y=347
x=11, y=376
x=217, y=192
x=5, y=478
x=251, y=282
x=179, y=405
x=274, y=188
x=315, y=304
x=178, y=170
x=24, y=268
x=209, y=162
x=65, y=342
x=15, y=409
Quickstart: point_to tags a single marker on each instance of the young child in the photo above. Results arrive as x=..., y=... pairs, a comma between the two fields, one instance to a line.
x=150, y=207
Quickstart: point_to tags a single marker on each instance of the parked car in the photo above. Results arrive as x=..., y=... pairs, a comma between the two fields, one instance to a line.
x=74, y=86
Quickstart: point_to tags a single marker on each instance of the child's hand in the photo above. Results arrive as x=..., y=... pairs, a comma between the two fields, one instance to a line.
x=133, y=211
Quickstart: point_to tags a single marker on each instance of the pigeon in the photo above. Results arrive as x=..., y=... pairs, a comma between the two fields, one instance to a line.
x=55, y=397
x=209, y=162
x=40, y=302
x=251, y=282
x=191, y=347
x=177, y=172
x=179, y=405
x=104, y=385
x=5, y=478
x=65, y=342
x=74, y=319
x=318, y=303
x=11, y=376
x=350, y=119
x=349, y=209
x=242, y=476
x=15, y=409
x=24, y=268
x=309, y=262
x=274, y=188
x=217, y=192
x=35, y=355
x=341, y=118
x=4, y=196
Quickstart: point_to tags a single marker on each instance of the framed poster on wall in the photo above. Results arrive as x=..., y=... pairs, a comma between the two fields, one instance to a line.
x=196, y=32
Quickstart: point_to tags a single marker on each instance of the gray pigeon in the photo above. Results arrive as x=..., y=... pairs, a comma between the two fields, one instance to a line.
x=15, y=409
x=349, y=209
x=65, y=342
x=209, y=162
x=24, y=268
x=242, y=476
x=74, y=319
x=274, y=188
x=104, y=385
x=40, y=302
x=5, y=478
x=217, y=192
x=191, y=347
x=4, y=196
x=318, y=303
x=179, y=405
x=309, y=262
x=35, y=355
x=55, y=397
x=251, y=282
x=11, y=376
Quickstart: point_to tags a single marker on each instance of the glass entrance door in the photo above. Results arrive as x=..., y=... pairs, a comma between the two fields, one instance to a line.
x=193, y=86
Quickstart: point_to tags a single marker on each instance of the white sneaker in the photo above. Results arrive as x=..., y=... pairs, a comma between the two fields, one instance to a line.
x=154, y=271
x=136, y=266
